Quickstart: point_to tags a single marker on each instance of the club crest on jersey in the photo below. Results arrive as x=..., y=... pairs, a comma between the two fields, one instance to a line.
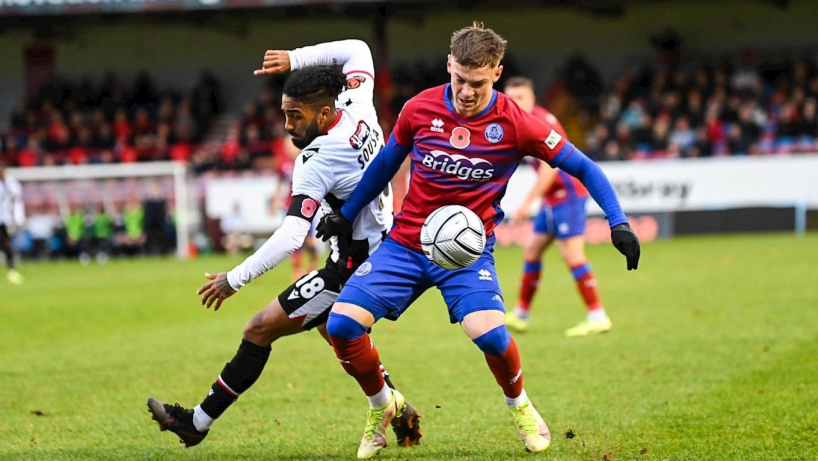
x=461, y=138
x=355, y=82
x=494, y=133
x=358, y=139
x=364, y=269
x=464, y=168
x=437, y=125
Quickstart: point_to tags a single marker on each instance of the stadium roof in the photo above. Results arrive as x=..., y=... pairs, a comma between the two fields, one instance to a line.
x=71, y=7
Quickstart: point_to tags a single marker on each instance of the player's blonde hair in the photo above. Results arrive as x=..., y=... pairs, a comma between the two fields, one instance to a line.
x=478, y=46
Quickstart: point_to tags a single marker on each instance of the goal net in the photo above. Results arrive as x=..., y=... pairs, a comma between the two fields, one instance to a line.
x=163, y=189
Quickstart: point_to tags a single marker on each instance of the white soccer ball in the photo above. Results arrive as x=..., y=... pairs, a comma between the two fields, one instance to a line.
x=453, y=237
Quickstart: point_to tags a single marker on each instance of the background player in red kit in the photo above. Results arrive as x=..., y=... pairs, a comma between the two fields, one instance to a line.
x=465, y=140
x=561, y=219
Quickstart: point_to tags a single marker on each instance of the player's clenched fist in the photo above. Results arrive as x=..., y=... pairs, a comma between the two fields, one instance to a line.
x=333, y=224
x=275, y=62
x=625, y=240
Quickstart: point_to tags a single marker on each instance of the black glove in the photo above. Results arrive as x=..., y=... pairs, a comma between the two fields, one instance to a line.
x=625, y=240
x=333, y=224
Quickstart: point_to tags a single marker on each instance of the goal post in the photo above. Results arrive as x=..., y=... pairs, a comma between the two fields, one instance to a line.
x=92, y=183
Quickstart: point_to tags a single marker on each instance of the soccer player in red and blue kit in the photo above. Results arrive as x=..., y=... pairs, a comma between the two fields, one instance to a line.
x=562, y=220
x=465, y=141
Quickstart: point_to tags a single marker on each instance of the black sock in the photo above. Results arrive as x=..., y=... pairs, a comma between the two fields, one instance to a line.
x=386, y=377
x=5, y=246
x=236, y=377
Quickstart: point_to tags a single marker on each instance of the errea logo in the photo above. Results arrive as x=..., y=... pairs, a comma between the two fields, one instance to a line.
x=437, y=125
x=484, y=275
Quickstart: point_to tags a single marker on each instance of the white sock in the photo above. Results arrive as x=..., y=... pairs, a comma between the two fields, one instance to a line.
x=201, y=420
x=520, y=312
x=516, y=402
x=597, y=314
x=381, y=398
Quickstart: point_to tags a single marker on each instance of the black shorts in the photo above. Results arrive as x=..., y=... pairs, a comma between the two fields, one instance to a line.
x=309, y=300
x=4, y=233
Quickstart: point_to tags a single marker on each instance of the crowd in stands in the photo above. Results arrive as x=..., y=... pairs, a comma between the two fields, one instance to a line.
x=730, y=107
x=711, y=110
x=740, y=106
x=256, y=141
x=70, y=123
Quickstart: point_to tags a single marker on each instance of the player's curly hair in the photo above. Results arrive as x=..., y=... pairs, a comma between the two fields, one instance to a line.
x=478, y=46
x=315, y=84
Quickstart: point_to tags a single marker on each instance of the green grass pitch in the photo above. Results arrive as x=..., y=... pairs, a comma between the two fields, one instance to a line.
x=713, y=355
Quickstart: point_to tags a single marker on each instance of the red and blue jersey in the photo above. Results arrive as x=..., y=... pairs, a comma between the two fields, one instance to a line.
x=468, y=161
x=565, y=187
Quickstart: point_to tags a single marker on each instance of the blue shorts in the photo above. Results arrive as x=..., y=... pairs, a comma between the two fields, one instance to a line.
x=395, y=276
x=562, y=221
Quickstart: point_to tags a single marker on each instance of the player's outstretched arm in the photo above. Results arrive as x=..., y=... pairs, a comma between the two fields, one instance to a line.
x=353, y=55
x=275, y=62
x=375, y=179
x=284, y=241
x=593, y=178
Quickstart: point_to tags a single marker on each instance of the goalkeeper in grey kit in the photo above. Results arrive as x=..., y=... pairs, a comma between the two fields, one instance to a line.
x=328, y=104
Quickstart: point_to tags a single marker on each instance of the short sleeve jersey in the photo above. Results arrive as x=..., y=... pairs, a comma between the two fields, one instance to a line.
x=466, y=161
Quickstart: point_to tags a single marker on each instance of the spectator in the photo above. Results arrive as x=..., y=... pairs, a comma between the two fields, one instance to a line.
x=659, y=139
x=788, y=128
x=703, y=147
x=235, y=238
x=746, y=78
x=694, y=109
x=102, y=234
x=613, y=151
x=129, y=237
x=737, y=142
x=154, y=223
x=76, y=240
x=42, y=227
x=809, y=126
x=683, y=136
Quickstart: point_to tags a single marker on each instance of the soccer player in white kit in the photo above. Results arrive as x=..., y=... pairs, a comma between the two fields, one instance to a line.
x=12, y=216
x=328, y=103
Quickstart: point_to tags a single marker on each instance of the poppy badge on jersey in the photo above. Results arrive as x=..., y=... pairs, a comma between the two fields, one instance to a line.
x=303, y=207
x=494, y=133
x=308, y=208
x=460, y=138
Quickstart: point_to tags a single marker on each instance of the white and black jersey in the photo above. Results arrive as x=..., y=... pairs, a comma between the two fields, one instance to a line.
x=330, y=168
x=12, y=212
x=326, y=173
